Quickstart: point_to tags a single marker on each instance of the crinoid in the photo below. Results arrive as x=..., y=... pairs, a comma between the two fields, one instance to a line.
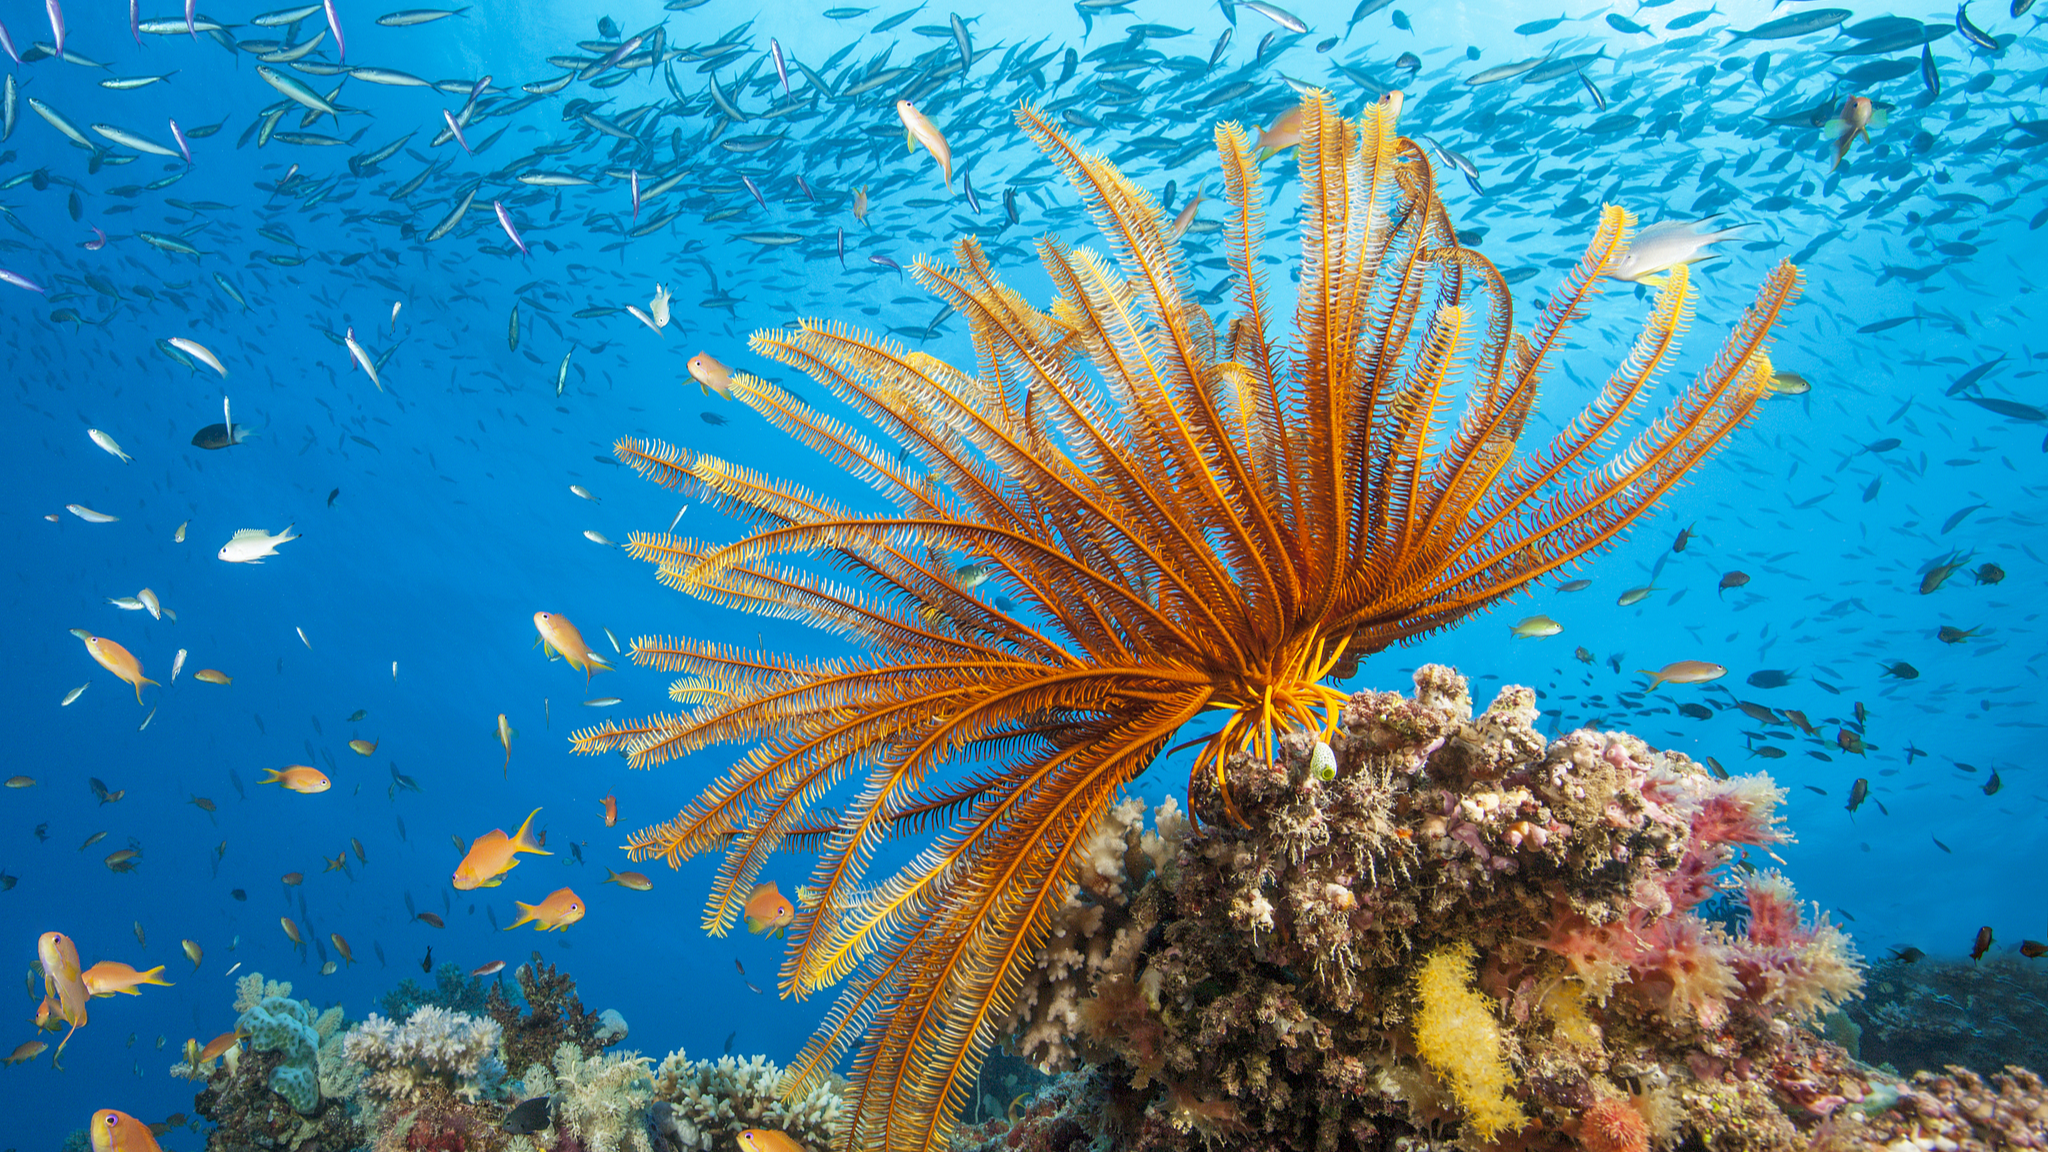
x=1118, y=522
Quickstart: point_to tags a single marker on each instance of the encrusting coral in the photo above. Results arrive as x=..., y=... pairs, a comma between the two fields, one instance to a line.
x=281, y=1092
x=1444, y=927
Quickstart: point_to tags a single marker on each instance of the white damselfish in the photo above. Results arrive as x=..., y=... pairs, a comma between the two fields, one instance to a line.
x=251, y=545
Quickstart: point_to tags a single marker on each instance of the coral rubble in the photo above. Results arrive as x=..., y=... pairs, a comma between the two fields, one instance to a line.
x=1444, y=929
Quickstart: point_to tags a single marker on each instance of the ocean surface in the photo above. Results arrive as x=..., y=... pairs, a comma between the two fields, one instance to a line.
x=435, y=514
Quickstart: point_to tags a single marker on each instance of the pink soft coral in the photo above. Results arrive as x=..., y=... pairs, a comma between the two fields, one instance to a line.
x=1785, y=962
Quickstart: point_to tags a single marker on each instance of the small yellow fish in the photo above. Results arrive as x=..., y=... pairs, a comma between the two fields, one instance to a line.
x=1536, y=628
x=493, y=854
x=1684, y=672
x=554, y=914
x=768, y=911
x=767, y=1140
x=710, y=375
x=111, y=976
x=860, y=204
x=557, y=634
x=505, y=734
x=178, y=537
x=21, y=781
x=363, y=747
x=1284, y=134
x=119, y=661
x=341, y=946
x=27, y=1051
x=633, y=880
x=297, y=778
x=293, y=879
x=212, y=676
x=291, y=929
x=917, y=129
x=64, y=993
x=193, y=952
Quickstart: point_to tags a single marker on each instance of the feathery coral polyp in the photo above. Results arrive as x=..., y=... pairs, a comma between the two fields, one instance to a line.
x=1119, y=520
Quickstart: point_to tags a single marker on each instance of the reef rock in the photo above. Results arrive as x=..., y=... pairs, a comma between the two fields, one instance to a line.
x=1443, y=929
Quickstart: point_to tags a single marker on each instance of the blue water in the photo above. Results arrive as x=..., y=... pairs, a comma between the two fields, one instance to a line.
x=454, y=521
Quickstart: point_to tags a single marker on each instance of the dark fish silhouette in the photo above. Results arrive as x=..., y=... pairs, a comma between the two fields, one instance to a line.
x=217, y=436
x=529, y=1117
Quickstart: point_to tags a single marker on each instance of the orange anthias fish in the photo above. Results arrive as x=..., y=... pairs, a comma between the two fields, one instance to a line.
x=218, y=1046
x=918, y=129
x=119, y=661
x=1284, y=134
x=494, y=854
x=710, y=375
x=768, y=910
x=767, y=1140
x=633, y=880
x=1856, y=117
x=110, y=976
x=558, y=635
x=298, y=778
x=114, y=1131
x=561, y=909
x=63, y=982
x=611, y=810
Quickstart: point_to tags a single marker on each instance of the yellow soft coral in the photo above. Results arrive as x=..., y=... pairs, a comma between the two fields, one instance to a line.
x=1456, y=1036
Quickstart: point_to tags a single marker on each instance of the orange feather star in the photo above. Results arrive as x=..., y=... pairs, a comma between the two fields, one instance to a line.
x=1166, y=521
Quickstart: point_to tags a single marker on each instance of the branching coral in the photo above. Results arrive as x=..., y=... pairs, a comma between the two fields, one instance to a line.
x=552, y=1016
x=704, y=1104
x=435, y=1052
x=601, y=1100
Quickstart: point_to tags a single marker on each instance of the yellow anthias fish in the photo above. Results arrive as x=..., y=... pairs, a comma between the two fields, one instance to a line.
x=341, y=946
x=111, y=976
x=1536, y=627
x=561, y=909
x=917, y=129
x=1284, y=134
x=363, y=747
x=1684, y=672
x=558, y=635
x=297, y=778
x=633, y=880
x=768, y=910
x=63, y=982
x=212, y=676
x=119, y=661
x=115, y=1131
x=494, y=854
x=767, y=1140
x=710, y=375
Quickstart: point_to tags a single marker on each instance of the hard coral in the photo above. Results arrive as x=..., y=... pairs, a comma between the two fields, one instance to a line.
x=553, y=1016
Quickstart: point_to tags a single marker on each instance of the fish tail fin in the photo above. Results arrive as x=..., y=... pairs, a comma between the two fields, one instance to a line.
x=271, y=776
x=527, y=914
x=153, y=976
x=524, y=841
x=1654, y=679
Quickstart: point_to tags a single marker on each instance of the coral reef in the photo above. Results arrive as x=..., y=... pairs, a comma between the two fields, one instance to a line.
x=453, y=989
x=603, y=1100
x=1444, y=925
x=703, y=1104
x=281, y=1092
x=1934, y=1012
x=553, y=1016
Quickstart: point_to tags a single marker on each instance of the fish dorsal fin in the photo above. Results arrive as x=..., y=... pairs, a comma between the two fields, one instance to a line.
x=249, y=534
